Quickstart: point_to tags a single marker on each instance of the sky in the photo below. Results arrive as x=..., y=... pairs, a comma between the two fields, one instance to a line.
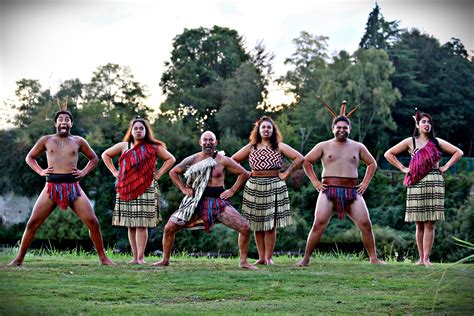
x=53, y=41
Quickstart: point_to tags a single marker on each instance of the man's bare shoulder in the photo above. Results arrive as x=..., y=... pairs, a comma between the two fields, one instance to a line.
x=354, y=143
x=222, y=158
x=324, y=143
x=221, y=155
x=43, y=142
x=189, y=161
x=78, y=139
x=45, y=138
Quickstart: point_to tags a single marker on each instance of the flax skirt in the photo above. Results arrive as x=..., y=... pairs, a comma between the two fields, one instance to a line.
x=266, y=204
x=144, y=211
x=425, y=199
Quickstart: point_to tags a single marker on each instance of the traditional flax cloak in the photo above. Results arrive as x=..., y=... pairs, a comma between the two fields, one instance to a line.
x=197, y=176
x=136, y=167
x=422, y=162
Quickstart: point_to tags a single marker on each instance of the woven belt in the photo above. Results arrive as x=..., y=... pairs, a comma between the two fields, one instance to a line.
x=341, y=182
x=61, y=178
x=265, y=173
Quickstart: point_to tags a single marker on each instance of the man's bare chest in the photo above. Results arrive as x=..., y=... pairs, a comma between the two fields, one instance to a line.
x=340, y=155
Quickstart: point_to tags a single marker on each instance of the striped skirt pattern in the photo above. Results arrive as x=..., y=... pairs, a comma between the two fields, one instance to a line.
x=266, y=204
x=144, y=211
x=425, y=199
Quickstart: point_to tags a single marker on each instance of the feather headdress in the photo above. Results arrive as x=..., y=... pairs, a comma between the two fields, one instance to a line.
x=416, y=117
x=62, y=105
x=342, y=111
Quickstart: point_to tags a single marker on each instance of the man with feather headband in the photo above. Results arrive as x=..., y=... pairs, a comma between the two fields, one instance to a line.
x=62, y=182
x=339, y=189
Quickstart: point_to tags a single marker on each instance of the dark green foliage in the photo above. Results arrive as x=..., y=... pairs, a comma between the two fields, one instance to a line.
x=212, y=82
x=438, y=80
x=63, y=225
x=201, y=60
x=379, y=33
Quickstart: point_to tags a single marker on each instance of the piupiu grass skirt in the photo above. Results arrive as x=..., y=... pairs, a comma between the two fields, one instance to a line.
x=144, y=211
x=425, y=199
x=266, y=204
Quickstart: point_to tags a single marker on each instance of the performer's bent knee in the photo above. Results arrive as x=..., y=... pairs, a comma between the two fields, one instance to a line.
x=245, y=228
x=171, y=227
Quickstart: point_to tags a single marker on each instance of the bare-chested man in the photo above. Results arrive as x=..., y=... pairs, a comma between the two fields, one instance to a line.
x=339, y=190
x=62, y=187
x=206, y=201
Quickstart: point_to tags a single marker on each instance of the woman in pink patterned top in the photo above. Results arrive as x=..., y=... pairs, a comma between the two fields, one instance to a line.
x=265, y=203
x=424, y=180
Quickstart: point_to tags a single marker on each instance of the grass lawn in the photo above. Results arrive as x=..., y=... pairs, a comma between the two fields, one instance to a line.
x=65, y=283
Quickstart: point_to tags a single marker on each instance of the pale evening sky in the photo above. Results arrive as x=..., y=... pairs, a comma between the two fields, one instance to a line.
x=53, y=41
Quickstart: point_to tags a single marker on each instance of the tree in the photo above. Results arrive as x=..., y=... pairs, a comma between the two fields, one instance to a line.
x=200, y=61
x=309, y=63
x=378, y=32
x=363, y=76
x=241, y=94
x=308, y=60
x=367, y=79
x=435, y=79
x=121, y=99
x=262, y=59
x=28, y=93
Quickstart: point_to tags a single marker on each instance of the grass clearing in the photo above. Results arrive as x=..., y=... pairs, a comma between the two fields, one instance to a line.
x=73, y=283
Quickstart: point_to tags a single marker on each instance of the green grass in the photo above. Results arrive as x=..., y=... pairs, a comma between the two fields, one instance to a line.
x=52, y=283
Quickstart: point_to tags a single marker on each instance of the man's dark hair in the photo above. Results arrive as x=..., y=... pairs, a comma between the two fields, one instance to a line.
x=62, y=112
x=341, y=118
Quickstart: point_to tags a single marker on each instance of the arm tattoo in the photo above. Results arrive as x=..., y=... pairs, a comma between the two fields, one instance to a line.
x=187, y=162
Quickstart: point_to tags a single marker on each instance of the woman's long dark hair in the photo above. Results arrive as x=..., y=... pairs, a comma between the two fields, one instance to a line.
x=431, y=134
x=255, y=137
x=149, y=138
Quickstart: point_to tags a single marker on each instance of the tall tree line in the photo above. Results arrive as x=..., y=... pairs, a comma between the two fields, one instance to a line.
x=213, y=82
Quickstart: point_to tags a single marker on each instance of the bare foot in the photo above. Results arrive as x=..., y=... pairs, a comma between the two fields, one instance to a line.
x=303, y=263
x=133, y=261
x=246, y=265
x=141, y=261
x=269, y=262
x=420, y=263
x=16, y=262
x=162, y=263
x=377, y=261
x=260, y=261
x=106, y=262
x=427, y=263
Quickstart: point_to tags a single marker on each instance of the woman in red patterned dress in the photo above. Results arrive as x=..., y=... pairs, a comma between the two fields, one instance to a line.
x=137, y=202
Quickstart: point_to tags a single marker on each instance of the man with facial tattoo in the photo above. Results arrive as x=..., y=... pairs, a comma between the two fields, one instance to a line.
x=206, y=201
x=339, y=190
x=62, y=183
